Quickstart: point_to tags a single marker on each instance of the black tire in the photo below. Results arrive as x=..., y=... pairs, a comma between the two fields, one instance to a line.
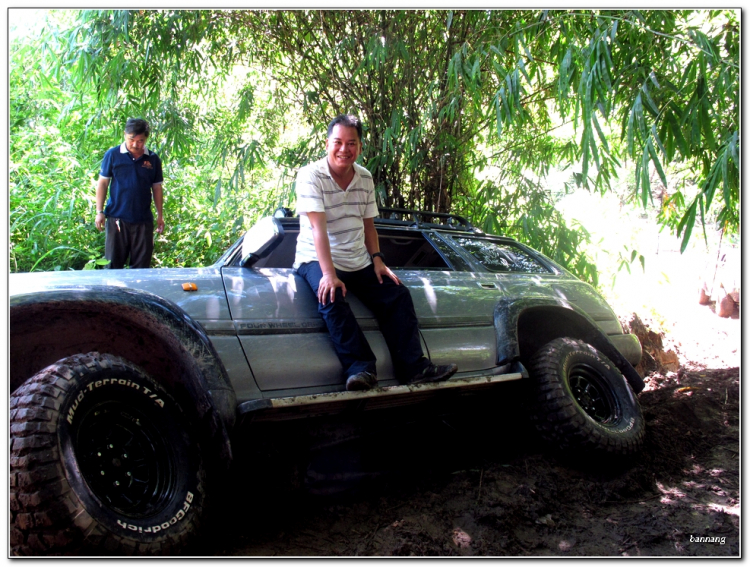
x=583, y=402
x=102, y=462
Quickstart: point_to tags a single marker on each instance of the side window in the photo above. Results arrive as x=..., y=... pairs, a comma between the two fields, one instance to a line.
x=407, y=250
x=453, y=257
x=501, y=256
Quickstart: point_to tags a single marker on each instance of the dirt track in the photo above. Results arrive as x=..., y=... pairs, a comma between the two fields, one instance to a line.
x=477, y=481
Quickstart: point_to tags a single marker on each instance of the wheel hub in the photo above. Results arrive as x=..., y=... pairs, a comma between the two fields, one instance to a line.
x=124, y=459
x=588, y=391
x=114, y=466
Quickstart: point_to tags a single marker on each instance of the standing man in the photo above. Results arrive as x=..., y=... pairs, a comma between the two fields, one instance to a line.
x=338, y=250
x=133, y=174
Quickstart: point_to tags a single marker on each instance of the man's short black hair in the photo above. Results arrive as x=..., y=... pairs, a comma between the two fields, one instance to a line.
x=347, y=120
x=137, y=126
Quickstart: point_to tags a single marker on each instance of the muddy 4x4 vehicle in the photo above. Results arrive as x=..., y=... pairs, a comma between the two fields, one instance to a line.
x=128, y=386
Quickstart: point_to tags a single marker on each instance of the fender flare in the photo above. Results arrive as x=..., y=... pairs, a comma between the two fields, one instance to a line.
x=187, y=361
x=509, y=311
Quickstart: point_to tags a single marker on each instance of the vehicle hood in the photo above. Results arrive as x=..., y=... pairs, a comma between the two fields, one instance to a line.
x=207, y=303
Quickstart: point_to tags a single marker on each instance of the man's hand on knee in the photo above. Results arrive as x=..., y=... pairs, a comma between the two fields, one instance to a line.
x=382, y=270
x=327, y=288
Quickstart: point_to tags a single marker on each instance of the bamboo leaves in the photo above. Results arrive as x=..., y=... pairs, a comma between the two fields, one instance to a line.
x=456, y=104
x=724, y=171
x=508, y=99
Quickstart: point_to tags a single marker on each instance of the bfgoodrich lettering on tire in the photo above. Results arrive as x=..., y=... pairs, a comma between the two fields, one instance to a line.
x=583, y=402
x=101, y=460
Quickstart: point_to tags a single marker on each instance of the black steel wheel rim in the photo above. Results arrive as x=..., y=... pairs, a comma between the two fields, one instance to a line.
x=592, y=393
x=125, y=459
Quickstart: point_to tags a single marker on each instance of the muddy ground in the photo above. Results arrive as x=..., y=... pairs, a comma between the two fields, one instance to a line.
x=474, y=479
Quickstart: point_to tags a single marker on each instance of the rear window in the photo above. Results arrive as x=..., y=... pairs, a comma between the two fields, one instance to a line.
x=500, y=256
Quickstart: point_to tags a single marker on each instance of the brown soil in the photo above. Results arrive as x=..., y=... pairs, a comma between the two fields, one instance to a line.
x=475, y=480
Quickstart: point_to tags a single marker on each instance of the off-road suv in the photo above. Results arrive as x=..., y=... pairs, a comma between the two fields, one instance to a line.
x=128, y=386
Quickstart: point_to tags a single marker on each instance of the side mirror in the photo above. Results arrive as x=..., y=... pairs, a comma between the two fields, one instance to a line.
x=261, y=240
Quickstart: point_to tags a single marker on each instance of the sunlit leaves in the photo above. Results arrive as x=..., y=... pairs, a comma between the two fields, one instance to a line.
x=624, y=261
x=724, y=173
x=509, y=97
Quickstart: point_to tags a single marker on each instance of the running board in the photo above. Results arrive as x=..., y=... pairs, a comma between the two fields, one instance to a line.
x=332, y=402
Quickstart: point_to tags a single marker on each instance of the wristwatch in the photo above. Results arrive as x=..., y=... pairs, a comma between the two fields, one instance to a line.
x=379, y=255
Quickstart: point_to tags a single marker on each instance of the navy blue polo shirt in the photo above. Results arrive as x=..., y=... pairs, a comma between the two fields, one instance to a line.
x=131, y=182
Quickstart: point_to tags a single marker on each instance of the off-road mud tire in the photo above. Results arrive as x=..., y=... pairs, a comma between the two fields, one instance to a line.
x=583, y=403
x=102, y=462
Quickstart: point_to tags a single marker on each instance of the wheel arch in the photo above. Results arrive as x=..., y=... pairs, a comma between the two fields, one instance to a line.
x=525, y=325
x=147, y=330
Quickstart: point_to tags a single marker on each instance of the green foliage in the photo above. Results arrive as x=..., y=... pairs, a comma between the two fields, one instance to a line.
x=68, y=108
x=624, y=261
x=51, y=191
x=463, y=110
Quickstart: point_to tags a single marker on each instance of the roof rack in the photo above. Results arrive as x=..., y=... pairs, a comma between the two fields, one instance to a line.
x=423, y=219
x=407, y=217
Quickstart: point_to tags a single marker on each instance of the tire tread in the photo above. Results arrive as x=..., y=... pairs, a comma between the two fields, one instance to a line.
x=560, y=421
x=42, y=502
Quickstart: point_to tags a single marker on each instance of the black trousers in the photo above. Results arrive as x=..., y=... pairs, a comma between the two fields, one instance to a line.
x=128, y=239
x=394, y=310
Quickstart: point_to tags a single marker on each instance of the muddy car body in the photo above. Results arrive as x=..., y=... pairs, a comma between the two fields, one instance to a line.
x=103, y=354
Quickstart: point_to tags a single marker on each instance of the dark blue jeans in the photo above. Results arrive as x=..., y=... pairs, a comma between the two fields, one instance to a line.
x=394, y=310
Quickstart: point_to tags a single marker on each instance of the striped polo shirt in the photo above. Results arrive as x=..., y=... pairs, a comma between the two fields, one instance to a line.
x=318, y=192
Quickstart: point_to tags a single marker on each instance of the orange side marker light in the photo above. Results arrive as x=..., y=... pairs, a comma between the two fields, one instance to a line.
x=189, y=287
